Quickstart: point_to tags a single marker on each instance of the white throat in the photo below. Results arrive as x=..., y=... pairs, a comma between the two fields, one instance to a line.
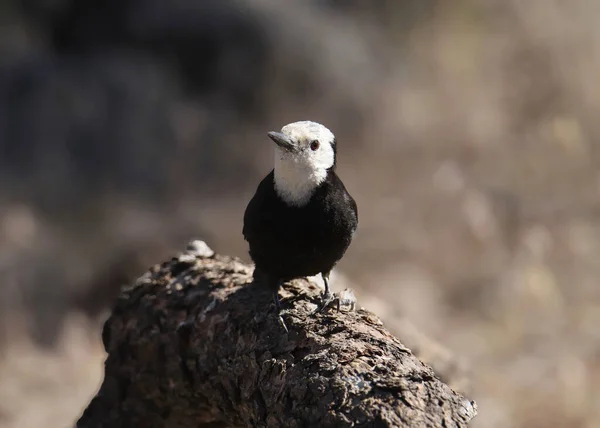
x=303, y=155
x=295, y=183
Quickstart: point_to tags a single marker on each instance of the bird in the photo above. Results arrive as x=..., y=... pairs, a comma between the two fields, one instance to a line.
x=301, y=220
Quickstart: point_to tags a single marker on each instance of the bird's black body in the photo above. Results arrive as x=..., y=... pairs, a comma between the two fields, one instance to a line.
x=289, y=242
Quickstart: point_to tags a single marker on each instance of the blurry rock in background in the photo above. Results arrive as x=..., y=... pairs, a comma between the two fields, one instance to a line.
x=467, y=134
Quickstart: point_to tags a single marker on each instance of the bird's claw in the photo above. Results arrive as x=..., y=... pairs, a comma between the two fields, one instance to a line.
x=279, y=311
x=282, y=322
x=327, y=299
x=345, y=298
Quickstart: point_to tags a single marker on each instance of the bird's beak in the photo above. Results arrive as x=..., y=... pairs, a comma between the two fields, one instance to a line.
x=283, y=141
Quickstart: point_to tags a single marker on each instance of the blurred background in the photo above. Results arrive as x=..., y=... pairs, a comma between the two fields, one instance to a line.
x=467, y=133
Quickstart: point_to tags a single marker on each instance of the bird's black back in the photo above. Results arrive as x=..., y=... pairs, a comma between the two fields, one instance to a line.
x=289, y=242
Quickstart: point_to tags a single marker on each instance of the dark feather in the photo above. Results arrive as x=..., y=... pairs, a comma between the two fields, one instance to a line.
x=289, y=242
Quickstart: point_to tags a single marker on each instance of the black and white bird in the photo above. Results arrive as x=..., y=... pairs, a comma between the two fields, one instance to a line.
x=301, y=220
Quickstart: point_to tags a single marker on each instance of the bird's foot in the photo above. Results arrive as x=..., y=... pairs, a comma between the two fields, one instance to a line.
x=327, y=299
x=282, y=322
x=279, y=310
x=344, y=298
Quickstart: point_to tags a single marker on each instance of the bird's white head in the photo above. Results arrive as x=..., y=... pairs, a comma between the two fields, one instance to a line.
x=304, y=153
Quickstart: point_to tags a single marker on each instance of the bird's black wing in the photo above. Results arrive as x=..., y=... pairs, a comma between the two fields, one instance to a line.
x=256, y=218
x=351, y=214
x=354, y=211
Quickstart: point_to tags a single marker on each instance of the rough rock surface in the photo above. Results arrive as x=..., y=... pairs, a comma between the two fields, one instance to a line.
x=195, y=342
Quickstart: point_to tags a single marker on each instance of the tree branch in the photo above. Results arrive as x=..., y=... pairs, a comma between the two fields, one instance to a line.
x=195, y=342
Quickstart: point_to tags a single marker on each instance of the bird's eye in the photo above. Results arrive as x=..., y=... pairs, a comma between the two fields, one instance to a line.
x=314, y=145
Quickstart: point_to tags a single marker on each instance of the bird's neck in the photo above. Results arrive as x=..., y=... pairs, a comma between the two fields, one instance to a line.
x=294, y=183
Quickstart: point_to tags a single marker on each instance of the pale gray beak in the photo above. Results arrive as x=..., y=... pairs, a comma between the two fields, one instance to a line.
x=283, y=141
